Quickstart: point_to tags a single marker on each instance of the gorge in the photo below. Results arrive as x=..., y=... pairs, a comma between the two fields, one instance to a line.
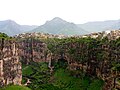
x=97, y=55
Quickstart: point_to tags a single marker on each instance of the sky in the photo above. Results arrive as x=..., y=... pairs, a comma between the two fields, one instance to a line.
x=37, y=12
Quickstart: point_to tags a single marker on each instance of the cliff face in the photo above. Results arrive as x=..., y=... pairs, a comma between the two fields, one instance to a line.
x=10, y=67
x=95, y=57
x=33, y=50
x=99, y=58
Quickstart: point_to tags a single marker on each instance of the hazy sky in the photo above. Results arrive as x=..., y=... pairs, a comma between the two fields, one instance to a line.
x=36, y=12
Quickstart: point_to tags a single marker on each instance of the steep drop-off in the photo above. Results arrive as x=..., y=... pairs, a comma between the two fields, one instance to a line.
x=10, y=67
x=96, y=55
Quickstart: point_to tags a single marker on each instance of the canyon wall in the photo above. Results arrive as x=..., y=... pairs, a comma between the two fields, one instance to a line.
x=97, y=58
x=10, y=67
x=33, y=50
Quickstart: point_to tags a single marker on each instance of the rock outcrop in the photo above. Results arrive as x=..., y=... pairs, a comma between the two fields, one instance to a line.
x=10, y=67
x=33, y=50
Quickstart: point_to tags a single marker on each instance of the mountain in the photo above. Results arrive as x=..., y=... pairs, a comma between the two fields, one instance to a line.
x=12, y=28
x=26, y=28
x=101, y=25
x=9, y=27
x=59, y=26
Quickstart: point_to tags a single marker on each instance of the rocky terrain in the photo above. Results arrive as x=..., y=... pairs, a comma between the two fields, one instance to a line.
x=10, y=66
x=96, y=54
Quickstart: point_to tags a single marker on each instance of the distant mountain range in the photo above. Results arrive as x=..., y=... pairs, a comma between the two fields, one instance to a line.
x=59, y=26
x=99, y=26
x=12, y=28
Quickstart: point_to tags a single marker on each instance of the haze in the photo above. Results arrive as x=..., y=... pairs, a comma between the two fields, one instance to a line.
x=37, y=12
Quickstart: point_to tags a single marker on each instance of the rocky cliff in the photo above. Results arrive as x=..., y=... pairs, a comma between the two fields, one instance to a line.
x=10, y=67
x=97, y=57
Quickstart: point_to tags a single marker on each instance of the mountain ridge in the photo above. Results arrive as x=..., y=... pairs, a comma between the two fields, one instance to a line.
x=11, y=28
x=99, y=26
x=59, y=26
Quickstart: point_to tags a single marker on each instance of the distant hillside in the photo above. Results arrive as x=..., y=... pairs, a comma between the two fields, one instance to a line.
x=12, y=28
x=59, y=26
x=101, y=25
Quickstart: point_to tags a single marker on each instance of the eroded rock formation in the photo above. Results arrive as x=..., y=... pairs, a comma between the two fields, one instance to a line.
x=33, y=50
x=10, y=67
x=94, y=57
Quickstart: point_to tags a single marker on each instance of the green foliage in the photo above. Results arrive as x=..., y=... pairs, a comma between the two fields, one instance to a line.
x=96, y=85
x=72, y=50
x=48, y=87
x=95, y=54
x=61, y=79
x=27, y=71
x=65, y=81
x=116, y=67
x=60, y=64
x=4, y=36
x=15, y=87
x=37, y=73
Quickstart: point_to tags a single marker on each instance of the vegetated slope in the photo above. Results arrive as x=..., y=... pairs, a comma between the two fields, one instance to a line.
x=59, y=26
x=12, y=28
x=62, y=78
x=101, y=25
x=15, y=87
x=3, y=35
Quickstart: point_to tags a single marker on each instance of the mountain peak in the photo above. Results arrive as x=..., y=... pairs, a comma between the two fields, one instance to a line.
x=11, y=28
x=60, y=26
x=57, y=19
x=9, y=22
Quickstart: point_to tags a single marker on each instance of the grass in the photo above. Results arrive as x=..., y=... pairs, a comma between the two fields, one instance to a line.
x=62, y=79
x=96, y=85
x=27, y=70
x=65, y=81
x=15, y=87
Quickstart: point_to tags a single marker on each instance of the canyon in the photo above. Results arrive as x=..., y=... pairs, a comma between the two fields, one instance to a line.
x=96, y=54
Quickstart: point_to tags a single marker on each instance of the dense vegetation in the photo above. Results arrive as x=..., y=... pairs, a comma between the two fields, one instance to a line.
x=62, y=78
x=15, y=87
x=97, y=60
x=100, y=56
x=3, y=35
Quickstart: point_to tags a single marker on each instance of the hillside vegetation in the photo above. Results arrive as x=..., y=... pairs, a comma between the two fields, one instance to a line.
x=95, y=61
x=15, y=87
x=74, y=63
